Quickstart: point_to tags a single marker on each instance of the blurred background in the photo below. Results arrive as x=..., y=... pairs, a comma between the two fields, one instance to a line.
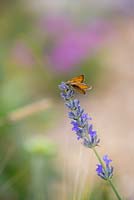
x=43, y=43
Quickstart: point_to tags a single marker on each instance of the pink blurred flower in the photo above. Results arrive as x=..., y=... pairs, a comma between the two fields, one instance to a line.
x=76, y=45
x=22, y=55
x=56, y=25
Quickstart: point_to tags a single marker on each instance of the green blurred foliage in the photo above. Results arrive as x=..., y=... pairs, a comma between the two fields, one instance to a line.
x=99, y=191
x=28, y=170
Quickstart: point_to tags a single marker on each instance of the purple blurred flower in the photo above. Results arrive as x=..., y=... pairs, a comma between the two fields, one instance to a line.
x=56, y=25
x=70, y=51
x=22, y=55
x=74, y=43
x=125, y=7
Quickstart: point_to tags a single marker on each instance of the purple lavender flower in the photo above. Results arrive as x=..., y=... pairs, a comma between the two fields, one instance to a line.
x=79, y=119
x=107, y=172
x=84, y=131
x=94, y=141
x=73, y=104
x=64, y=86
x=66, y=93
x=106, y=160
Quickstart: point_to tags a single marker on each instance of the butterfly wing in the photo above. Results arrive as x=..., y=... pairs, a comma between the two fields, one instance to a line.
x=78, y=89
x=77, y=79
x=81, y=87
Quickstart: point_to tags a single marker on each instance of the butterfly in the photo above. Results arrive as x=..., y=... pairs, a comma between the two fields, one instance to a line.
x=78, y=84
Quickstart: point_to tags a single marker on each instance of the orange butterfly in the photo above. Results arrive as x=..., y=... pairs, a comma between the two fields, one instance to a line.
x=78, y=85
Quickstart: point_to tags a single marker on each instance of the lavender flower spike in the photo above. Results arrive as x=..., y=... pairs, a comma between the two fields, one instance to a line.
x=84, y=131
x=79, y=119
x=107, y=172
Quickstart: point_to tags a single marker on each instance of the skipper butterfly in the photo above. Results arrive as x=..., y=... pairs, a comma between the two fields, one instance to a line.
x=78, y=84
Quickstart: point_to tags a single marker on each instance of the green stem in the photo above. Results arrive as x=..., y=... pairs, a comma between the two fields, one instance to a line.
x=109, y=180
x=98, y=157
x=114, y=189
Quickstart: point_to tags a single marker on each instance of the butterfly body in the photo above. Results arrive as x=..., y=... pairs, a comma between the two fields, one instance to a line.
x=78, y=84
